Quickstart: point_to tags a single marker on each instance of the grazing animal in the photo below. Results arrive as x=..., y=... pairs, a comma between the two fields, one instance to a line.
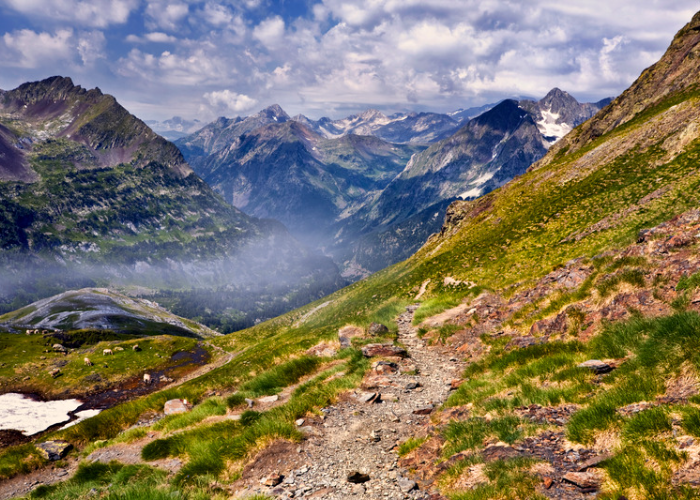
x=146, y=379
x=87, y=361
x=107, y=352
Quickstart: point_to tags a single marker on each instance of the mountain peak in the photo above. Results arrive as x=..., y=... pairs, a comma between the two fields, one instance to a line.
x=275, y=112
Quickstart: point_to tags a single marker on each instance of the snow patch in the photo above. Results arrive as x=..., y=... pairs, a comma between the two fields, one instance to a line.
x=82, y=415
x=482, y=179
x=472, y=193
x=23, y=414
x=549, y=127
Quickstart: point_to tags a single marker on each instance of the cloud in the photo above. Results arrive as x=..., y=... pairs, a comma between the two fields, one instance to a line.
x=29, y=49
x=229, y=100
x=91, y=47
x=164, y=14
x=155, y=37
x=95, y=13
x=270, y=32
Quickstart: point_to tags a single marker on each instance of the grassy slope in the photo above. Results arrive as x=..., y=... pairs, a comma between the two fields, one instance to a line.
x=506, y=240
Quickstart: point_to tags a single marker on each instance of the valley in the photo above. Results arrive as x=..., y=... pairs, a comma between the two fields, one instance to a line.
x=533, y=336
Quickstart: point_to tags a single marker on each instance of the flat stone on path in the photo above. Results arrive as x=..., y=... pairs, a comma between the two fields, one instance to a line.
x=54, y=450
x=426, y=410
x=388, y=350
x=406, y=484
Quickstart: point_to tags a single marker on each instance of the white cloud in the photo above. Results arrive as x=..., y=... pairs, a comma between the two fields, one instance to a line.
x=216, y=14
x=28, y=49
x=96, y=13
x=270, y=31
x=166, y=15
x=91, y=47
x=229, y=100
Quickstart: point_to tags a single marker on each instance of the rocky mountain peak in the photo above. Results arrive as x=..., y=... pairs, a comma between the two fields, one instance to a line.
x=274, y=113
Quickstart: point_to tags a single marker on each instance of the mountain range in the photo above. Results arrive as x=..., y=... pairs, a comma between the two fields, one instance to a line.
x=91, y=195
x=542, y=344
x=366, y=189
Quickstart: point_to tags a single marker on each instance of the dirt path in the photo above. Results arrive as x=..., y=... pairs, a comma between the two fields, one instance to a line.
x=358, y=436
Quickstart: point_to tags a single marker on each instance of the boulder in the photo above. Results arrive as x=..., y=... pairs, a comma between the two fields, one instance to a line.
x=384, y=350
x=377, y=329
x=55, y=373
x=54, y=450
x=426, y=410
x=384, y=367
x=322, y=350
x=596, y=366
x=586, y=481
x=174, y=406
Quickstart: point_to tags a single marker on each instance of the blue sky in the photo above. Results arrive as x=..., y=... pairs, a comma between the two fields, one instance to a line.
x=202, y=59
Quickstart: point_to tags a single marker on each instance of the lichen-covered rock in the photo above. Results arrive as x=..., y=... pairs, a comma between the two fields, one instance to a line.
x=174, y=406
x=377, y=329
x=54, y=450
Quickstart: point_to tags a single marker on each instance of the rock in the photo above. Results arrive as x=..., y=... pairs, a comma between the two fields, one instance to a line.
x=249, y=402
x=347, y=333
x=369, y=397
x=55, y=373
x=268, y=399
x=427, y=410
x=455, y=383
x=377, y=329
x=406, y=484
x=586, y=481
x=59, y=348
x=299, y=422
x=412, y=385
x=358, y=477
x=375, y=436
x=175, y=406
x=384, y=350
x=547, y=482
x=272, y=480
x=54, y=450
x=385, y=367
x=596, y=366
x=322, y=350
x=592, y=462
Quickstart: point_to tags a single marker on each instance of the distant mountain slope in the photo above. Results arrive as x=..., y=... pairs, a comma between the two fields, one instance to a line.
x=93, y=194
x=221, y=133
x=412, y=128
x=102, y=309
x=287, y=172
x=174, y=128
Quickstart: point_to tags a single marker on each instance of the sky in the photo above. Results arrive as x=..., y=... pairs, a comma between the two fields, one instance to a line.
x=203, y=59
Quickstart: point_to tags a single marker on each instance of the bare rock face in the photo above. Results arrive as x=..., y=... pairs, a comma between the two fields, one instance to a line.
x=384, y=350
x=54, y=450
x=586, y=481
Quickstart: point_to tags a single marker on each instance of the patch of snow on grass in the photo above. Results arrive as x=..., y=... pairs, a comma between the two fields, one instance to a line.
x=21, y=413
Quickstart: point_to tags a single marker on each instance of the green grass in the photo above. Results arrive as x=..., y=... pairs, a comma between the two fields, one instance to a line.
x=19, y=460
x=409, y=445
x=435, y=305
x=688, y=282
x=469, y=434
x=508, y=480
x=634, y=277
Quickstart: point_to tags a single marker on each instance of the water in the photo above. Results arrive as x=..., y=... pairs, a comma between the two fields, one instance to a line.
x=29, y=416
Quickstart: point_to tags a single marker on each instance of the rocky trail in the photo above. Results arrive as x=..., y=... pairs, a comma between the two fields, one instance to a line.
x=350, y=452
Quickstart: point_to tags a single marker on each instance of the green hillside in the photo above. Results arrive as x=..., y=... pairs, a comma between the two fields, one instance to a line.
x=591, y=255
